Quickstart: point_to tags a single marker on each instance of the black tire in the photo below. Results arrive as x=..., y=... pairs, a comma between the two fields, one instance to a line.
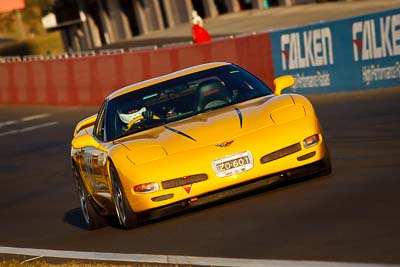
x=93, y=220
x=327, y=162
x=127, y=218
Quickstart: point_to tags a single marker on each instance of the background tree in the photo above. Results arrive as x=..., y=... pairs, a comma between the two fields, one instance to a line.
x=31, y=17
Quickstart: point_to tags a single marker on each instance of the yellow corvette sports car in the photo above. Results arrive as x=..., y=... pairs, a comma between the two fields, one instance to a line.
x=191, y=137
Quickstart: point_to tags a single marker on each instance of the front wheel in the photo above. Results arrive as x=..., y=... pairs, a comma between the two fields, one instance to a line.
x=327, y=162
x=93, y=220
x=127, y=218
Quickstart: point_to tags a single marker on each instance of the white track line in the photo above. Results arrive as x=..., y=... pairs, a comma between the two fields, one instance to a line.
x=33, y=259
x=185, y=260
x=35, y=117
x=28, y=129
x=7, y=123
x=24, y=119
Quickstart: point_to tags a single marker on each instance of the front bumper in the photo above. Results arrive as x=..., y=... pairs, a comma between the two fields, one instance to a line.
x=317, y=168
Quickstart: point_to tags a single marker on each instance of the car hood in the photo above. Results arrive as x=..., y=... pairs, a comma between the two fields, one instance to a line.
x=216, y=127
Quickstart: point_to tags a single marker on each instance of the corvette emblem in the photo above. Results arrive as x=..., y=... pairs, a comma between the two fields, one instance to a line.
x=187, y=188
x=224, y=144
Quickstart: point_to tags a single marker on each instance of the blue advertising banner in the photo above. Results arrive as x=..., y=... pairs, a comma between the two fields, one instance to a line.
x=352, y=54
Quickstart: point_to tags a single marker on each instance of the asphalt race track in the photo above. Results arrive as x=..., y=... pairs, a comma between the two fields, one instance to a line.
x=352, y=215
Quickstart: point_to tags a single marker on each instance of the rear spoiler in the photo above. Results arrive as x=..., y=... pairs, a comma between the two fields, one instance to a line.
x=85, y=123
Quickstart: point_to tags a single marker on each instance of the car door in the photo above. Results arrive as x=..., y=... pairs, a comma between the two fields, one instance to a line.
x=95, y=158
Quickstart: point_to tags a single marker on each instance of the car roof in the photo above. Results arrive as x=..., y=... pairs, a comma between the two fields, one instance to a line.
x=166, y=77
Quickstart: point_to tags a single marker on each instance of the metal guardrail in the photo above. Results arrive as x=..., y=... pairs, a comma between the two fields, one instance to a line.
x=82, y=54
x=141, y=48
x=111, y=51
x=33, y=57
x=10, y=59
x=45, y=57
x=177, y=44
x=223, y=38
x=58, y=56
x=239, y=35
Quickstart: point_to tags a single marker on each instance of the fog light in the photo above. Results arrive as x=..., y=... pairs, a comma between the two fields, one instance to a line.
x=311, y=141
x=146, y=188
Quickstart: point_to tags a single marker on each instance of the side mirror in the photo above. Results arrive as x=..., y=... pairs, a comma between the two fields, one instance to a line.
x=283, y=82
x=85, y=123
x=85, y=140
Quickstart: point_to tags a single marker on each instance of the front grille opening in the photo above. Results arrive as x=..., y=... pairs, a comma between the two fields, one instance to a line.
x=281, y=153
x=184, y=180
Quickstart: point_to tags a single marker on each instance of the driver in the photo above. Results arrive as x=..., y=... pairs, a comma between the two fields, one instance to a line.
x=135, y=116
x=131, y=115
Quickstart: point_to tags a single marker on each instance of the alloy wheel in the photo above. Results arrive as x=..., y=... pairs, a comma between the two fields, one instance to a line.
x=119, y=200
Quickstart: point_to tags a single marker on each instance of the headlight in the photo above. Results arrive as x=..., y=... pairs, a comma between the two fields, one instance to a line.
x=146, y=188
x=311, y=141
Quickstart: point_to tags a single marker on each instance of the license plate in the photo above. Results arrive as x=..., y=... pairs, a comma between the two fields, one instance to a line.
x=233, y=164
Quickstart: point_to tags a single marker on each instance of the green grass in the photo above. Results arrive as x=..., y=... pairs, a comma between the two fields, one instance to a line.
x=51, y=43
x=40, y=45
x=36, y=41
x=14, y=263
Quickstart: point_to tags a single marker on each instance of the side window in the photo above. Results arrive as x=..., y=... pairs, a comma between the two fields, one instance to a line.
x=99, y=125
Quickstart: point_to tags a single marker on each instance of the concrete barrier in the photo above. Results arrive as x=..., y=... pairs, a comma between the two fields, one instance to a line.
x=351, y=54
x=87, y=80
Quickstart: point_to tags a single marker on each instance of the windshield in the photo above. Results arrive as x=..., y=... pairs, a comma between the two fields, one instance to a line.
x=181, y=98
